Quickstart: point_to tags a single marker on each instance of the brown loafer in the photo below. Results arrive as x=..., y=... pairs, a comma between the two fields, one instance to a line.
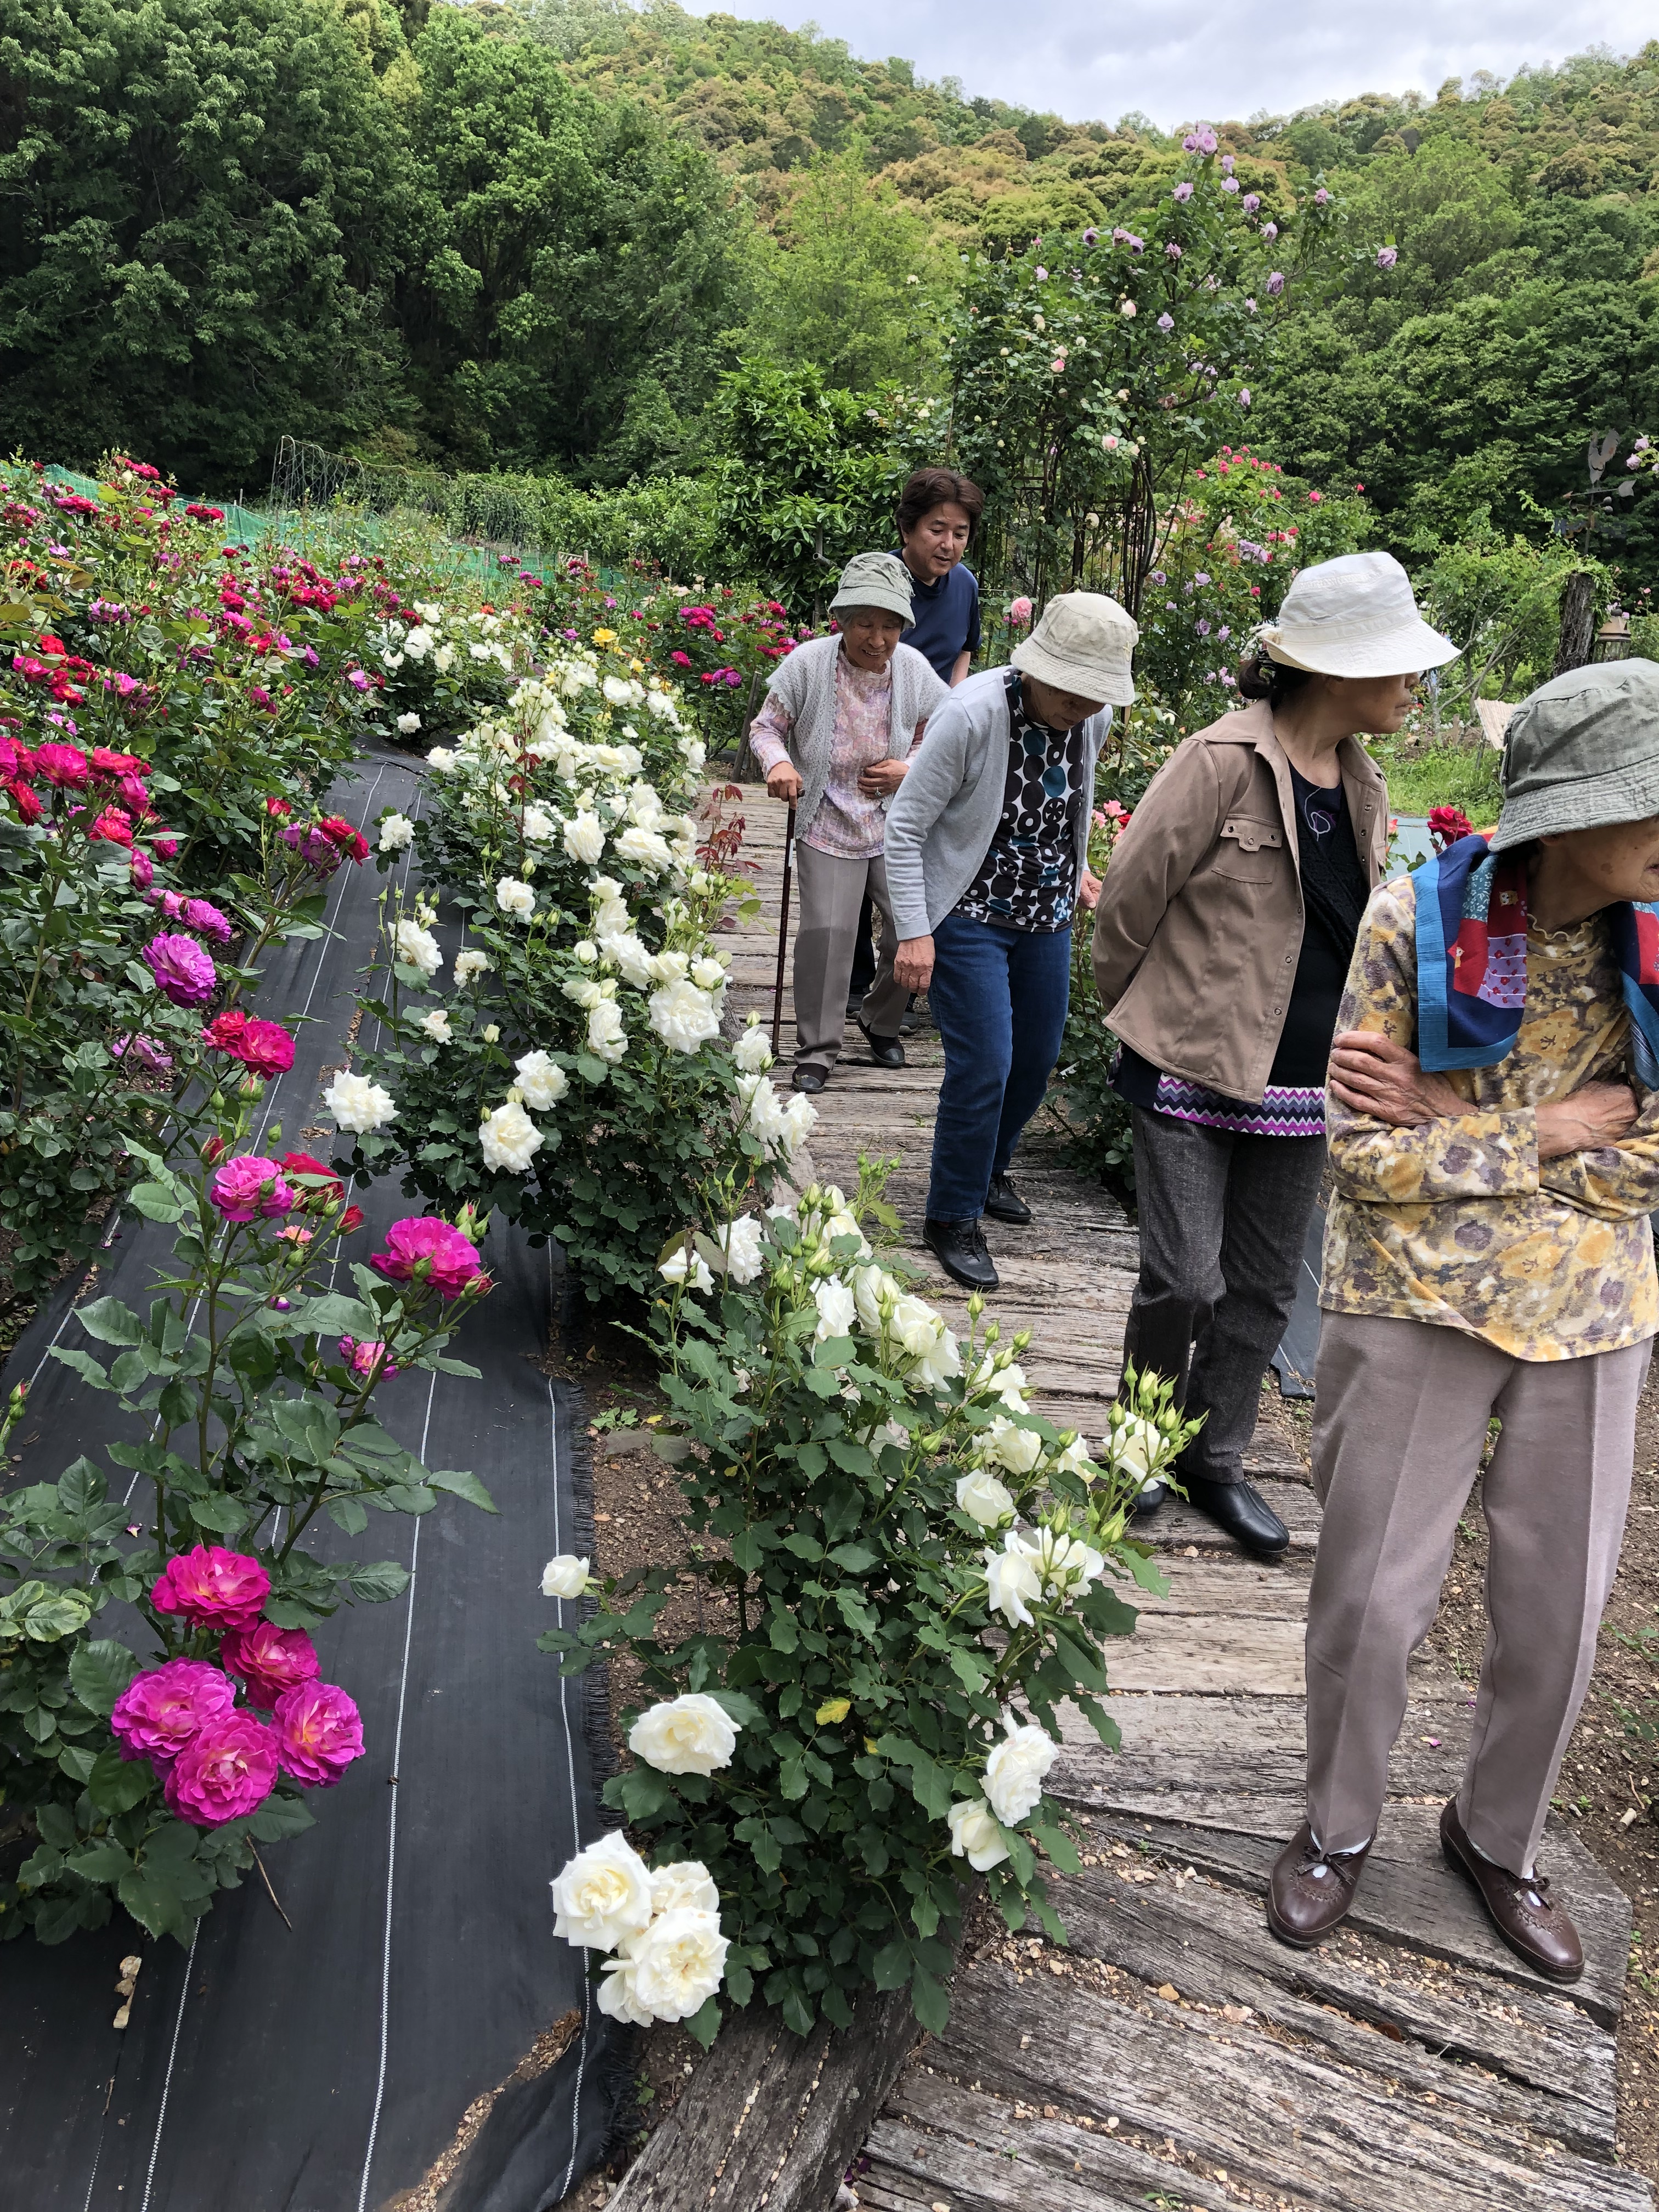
x=1310, y=1891
x=1536, y=1928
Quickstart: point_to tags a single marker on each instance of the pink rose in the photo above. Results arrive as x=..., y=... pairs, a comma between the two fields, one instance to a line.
x=361, y=1357
x=65, y=765
x=426, y=1251
x=214, y=1587
x=246, y=1188
x=321, y=1730
x=263, y=1048
x=161, y=1712
x=143, y=872
x=183, y=972
x=202, y=914
x=1019, y=610
x=226, y=1771
x=269, y=1660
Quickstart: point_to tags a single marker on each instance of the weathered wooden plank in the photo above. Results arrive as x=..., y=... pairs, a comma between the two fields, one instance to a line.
x=1288, y=2121
x=771, y=2119
x=1217, y=1588
x=1227, y=1657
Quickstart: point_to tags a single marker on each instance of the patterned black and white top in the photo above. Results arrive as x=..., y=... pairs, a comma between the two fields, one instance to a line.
x=1028, y=878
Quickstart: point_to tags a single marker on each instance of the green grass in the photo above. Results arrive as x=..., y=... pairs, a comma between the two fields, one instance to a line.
x=1443, y=775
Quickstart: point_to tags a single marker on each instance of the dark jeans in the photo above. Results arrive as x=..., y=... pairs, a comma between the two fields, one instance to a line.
x=1223, y=1219
x=1000, y=998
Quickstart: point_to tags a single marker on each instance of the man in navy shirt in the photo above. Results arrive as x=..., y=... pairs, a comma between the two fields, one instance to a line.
x=937, y=512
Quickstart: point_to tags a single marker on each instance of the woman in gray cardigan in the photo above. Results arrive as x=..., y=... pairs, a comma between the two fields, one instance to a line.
x=987, y=860
x=842, y=715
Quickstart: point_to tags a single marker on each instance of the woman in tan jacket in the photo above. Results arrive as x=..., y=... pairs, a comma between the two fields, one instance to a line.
x=1222, y=943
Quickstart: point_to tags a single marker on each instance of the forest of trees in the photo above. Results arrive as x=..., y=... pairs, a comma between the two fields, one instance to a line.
x=568, y=237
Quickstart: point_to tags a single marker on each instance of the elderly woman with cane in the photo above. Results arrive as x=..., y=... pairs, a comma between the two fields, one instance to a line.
x=1222, y=941
x=843, y=715
x=1494, y=1135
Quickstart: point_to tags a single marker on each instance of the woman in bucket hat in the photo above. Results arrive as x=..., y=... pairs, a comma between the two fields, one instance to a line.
x=1494, y=1137
x=988, y=859
x=842, y=715
x=1222, y=942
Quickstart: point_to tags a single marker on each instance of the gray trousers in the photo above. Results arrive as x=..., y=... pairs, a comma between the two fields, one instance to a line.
x=1223, y=1220
x=1401, y=1408
x=831, y=893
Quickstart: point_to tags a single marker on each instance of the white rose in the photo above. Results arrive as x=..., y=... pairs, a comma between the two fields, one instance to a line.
x=1075, y=1459
x=644, y=849
x=707, y=974
x=684, y=1016
x=739, y=1246
x=418, y=643
x=491, y=1032
x=442, y=758
x=636, y=965
x=1134, y=1447
x=417, y=948
x=444, y=658
x=565, y=1577
x=617, y=1995
x=1015, y=1771
x=585, y=950
x=606, y=1034
x=687, y=1886
x=1065, y=1562
x=396, y=831
x=644, y=806
x=509, y=1138
x=616, y=691
x=696, y=753
x=841, y=1224
x=678, y=1963
x=358, y=1105
x=407, y=723
x=584, y=838
x=689, y=1735
x=796, y=1123
x=974, y=1835
x=982, y=1497
x=394, y=661
x=436, y=1024
x=469, y=964
x=538, y=825
x=753, y=1051
x=543, y=1082
x=915, y=1325
x=515, y=898
x=1012, y=1581
x=1018, y=1449
x=937, y=1367
x=683, y=1267
x=670, y=967
x=837, y=1309
x=604, y=1895
x=582, y=991
x=872, y=1287
x=660, y=704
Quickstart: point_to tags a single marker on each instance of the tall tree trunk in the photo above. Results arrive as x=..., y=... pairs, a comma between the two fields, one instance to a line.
x=1577, y=622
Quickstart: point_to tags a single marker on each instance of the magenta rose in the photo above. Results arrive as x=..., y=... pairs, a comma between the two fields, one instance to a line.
x=182, y=971
x=214, y=1588
x=227, y=1771
x=143, y=872
x=202, y=914
x=321, y=1731
x=250, y=1186
x=161, y=1711
x=421, y=1250
x=269, y=1660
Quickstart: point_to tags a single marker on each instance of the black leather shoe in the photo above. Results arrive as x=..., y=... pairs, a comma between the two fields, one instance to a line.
x=855, y=1005
x=959, y=1248
x=809, y=1079
x=914, y=1018
x=1530, y=1921
x=1236, y=1507
x=1310, y=1891
x=886, y=1052
x=1150, y=1496
x=1003, y=1203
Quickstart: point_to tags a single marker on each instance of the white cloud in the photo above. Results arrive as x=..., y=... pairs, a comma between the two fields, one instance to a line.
x=1074, y=59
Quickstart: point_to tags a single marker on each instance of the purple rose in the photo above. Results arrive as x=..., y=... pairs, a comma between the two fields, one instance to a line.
x=1275, y=283
x=1249, y=306
x=1244, y=400
x=1250, y=202
x=143, y=1052
x=1166, y=322
x=201, y=914
x=1321, y=198
x=1090, y=236
x=321, y=1732
x=1156, y=577
x=1173, y=251
x=1203, y=629
x=1387, y=257
x=1229, y=183
x=161, y=1712
x=1270, y=230
x=320, y=854
x=1226, y=164
x=182, y=971
x=1184, y=191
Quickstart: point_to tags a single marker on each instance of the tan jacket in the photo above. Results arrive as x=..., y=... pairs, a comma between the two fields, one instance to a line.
x=1199, y=924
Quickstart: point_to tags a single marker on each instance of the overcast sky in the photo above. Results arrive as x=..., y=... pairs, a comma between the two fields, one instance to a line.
x=1180, y=63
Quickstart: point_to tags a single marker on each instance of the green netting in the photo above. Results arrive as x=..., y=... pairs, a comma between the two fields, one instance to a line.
x=244, y=526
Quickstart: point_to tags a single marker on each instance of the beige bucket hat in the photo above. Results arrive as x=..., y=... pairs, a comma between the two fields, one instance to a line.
x=876, y=579
x=1581, y=750
x=1082, y=644
x=1354, y=616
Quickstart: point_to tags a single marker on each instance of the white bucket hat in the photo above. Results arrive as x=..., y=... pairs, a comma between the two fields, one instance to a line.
x=1354, y=616
x=1082, y=644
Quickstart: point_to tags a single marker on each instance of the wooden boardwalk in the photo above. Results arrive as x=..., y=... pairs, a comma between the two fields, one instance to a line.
x=1176, y=2054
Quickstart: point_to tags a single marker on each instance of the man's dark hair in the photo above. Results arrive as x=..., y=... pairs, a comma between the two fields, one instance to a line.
x=931, y=488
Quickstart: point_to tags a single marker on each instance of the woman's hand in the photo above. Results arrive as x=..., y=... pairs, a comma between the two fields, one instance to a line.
x=913, y=964
x=1372, y=1074
x=883, y=777
x=1600, y=1113
x=1088, y=890
x=784, y=781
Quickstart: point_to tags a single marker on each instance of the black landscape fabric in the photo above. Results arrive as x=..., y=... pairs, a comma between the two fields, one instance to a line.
x=331, y=2060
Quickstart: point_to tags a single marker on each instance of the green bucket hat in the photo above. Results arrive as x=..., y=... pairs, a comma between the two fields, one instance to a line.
x=1581, y=751
x=875, y=579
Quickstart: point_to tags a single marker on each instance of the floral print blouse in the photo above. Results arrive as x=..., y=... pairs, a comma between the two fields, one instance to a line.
x=1459, y=1223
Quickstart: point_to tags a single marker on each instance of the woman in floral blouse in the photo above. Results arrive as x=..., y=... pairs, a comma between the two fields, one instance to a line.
x=1493, y=1126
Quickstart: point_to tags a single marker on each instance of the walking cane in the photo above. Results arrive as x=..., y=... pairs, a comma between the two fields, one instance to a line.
x=783, y=928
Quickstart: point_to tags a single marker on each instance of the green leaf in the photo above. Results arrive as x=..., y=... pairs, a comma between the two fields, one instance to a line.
x=1106, y=1614
x=1060, y=1847
x=84, y=1365
x=99, y=1672
x=110, y=1322
x=891, y=1967
x=798, y=2012
x=117, y=1784
x=930, y=2000
x=644, y=1792
x=154, y=1903
x=744, y=1710
x=704, y=2024
x=348, y=1513
x=132, y=1370
x=378, y=1580
x=177, y=1405
x=462, y=1485
x=81, y=1486
x=105, y=1860
x=156, y=1203
x=279, y=1818
x=217, y=1514
x=843, y=1511
x=857, y=1558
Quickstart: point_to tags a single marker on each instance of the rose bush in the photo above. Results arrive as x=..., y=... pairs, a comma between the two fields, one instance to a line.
x=572, y=1075
x=922, y=1572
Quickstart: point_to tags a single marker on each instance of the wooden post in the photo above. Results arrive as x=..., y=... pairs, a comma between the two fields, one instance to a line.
x=1577, y=638
x=783, y=928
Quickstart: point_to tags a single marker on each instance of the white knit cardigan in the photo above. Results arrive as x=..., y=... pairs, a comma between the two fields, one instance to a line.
x=805, y=686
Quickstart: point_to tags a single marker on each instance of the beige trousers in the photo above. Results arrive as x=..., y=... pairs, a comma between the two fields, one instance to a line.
x=1401, y=1408
x=831, y=891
